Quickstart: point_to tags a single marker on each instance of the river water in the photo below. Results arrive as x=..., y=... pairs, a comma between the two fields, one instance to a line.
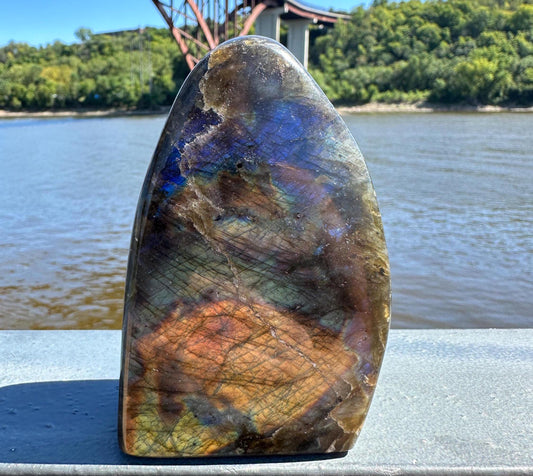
x=455, y=192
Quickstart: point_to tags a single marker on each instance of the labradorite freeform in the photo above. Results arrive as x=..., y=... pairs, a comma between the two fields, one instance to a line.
x=257, y=295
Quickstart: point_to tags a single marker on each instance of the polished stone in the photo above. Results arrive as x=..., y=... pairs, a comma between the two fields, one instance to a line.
x=257, y=295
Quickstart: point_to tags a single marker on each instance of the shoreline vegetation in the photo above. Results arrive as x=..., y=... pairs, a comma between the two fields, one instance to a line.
x=437, y=55
x=368, y=108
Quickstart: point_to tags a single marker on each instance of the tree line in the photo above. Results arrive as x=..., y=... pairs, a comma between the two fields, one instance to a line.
x=454, y=51
x=132, y=69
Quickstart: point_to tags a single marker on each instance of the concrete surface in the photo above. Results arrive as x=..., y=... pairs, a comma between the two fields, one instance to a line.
x=448, y=402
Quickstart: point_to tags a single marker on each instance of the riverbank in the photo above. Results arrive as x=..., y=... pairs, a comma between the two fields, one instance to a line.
x=374, y=107
x=81, y=113
x=369, y=108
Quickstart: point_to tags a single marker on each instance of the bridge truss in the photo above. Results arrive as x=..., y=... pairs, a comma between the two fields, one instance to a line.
x=199, y=26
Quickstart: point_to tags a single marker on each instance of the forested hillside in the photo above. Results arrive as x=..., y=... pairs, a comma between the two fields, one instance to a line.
x=141, y=69
x=454, y=52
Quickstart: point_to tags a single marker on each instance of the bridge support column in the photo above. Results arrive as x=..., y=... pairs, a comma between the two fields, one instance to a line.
x=268, y=23
x=298, y=39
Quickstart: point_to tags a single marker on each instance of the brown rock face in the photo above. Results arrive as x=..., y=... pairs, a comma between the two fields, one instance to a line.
x=257, y=297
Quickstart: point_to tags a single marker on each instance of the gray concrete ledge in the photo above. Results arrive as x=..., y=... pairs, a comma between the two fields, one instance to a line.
x=448, y=402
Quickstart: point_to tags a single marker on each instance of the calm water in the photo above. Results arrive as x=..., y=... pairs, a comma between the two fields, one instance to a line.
x=455, y=191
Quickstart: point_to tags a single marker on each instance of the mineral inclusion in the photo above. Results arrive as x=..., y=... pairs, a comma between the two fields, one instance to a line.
x=257, y=295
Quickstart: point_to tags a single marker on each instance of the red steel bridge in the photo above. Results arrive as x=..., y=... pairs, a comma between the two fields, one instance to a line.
x=199, y=26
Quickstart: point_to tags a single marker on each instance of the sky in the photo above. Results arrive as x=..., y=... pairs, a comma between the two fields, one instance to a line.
x=39, y=22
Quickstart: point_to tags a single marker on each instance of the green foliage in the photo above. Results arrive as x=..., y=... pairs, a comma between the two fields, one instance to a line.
x=131, y=69
x=455, y=51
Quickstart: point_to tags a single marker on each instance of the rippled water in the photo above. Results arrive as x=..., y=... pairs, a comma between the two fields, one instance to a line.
x=454, y=189
x=456, y=197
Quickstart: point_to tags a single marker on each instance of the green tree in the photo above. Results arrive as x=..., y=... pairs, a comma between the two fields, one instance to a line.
x=471, y=51
x=131, y=69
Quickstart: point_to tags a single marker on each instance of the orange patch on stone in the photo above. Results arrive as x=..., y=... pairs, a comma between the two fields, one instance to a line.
x=251, y=358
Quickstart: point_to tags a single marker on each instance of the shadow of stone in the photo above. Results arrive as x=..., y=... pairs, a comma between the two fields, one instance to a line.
x=75, y=422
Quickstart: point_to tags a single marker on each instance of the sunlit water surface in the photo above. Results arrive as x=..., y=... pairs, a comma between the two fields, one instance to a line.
x=455, y=192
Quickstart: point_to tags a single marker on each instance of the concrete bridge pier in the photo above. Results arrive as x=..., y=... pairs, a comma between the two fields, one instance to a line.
x=269, y=22
x=266, y=15
x=298, y=39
